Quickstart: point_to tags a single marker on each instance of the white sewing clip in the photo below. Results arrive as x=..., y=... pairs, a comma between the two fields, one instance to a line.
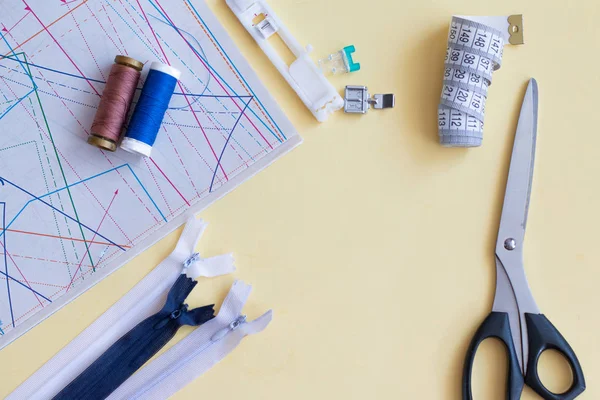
x=303, y=75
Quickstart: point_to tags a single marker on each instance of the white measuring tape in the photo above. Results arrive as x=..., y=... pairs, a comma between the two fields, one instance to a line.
x=475, y=49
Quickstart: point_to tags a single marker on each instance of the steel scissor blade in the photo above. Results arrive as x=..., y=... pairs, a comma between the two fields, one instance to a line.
x=520, y=175
x=509, y=246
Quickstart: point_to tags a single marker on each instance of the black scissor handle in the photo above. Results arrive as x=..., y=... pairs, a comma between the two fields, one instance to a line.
x=496, y=325
x=544, y=336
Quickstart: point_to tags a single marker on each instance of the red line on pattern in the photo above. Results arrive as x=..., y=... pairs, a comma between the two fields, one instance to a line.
x=23, y=276
x=58, y=44
x=114, y=29
x=168, y=180
x=178, y=126
x=215, y=78
x=179, y=156
x=182, y=91
x=94, y=237
x=78, y=26
x=228, y=62
x=73, y=169
x=66, y=160
x=85, y=130
x=65, y=238
x=19, y=21
x=160, y=190
x=142, y=32
x=48, y=26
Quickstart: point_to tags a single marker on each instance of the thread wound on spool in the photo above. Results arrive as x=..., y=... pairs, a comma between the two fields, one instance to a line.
x=150, y=109
x=116, y=98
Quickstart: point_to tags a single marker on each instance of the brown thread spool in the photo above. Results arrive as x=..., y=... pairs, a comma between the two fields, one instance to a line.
x=114, y=104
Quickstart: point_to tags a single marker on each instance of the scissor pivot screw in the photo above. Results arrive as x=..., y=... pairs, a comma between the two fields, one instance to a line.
x=510, y=244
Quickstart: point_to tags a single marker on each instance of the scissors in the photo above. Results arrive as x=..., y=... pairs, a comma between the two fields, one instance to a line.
x=515, y=318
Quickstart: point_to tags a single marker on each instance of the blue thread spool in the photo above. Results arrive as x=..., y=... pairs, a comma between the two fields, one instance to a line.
x=150, y=110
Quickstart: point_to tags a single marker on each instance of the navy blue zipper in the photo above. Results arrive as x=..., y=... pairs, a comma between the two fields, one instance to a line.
x=138, y=345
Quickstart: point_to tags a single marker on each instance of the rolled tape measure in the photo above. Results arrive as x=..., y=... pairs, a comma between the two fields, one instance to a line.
x=475, y=50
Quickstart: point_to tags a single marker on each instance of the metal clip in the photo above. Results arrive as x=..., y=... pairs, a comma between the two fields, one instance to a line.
x=358, y=101
x=383, y=101
x=515, y=29
x=191, y=259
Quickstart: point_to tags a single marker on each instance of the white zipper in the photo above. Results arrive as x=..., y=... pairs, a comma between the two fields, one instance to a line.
x=219, y=335
x=196, y=353
x=145, y=299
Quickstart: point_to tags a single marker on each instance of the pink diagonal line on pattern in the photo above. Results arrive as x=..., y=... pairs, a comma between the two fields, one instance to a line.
x=61, y=48
x=78, y=26
x=93, y=238
x=18, y=22
x=181, y=88
x=114, y=29
x=168, y=180
x=211, y=73
x=21, y=273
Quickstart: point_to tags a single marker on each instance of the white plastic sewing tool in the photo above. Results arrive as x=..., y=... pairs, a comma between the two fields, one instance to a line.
x=303, y=75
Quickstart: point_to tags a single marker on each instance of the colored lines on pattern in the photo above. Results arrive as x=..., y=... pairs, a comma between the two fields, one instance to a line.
x=12, y=316
x=216, y=127
x=58, y=44
x=27, y=72
x=36, y=198
x=66, y=238
x=50, y=24
x=227, y=142
x=35, y=89
x=212, y=71
x=94, y=237
x=190, y=5
x=6, y=273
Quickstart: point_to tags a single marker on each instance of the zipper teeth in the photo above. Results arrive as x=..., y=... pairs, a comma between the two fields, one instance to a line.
x=187, y=359
x=141, y=301
x=119, y=320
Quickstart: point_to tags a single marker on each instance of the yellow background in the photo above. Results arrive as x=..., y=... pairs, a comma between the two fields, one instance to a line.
x=372, y=243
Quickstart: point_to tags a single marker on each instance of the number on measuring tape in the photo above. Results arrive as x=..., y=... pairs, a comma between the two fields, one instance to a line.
x=453, y=120
x=478, y=39
x=454, y=125
x=457, y=58
x=465, y=100
x=474, y=52
x=463, y=78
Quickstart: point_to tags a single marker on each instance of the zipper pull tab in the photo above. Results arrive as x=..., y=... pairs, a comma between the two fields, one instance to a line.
x=177, y=313
x=229, y=328
x=191, y=260
x=174, y=315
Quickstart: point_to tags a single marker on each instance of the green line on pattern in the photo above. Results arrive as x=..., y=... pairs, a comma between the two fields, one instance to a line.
x=60, y=166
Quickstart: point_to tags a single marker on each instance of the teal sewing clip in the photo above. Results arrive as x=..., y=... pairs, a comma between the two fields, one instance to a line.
x=340, y=62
